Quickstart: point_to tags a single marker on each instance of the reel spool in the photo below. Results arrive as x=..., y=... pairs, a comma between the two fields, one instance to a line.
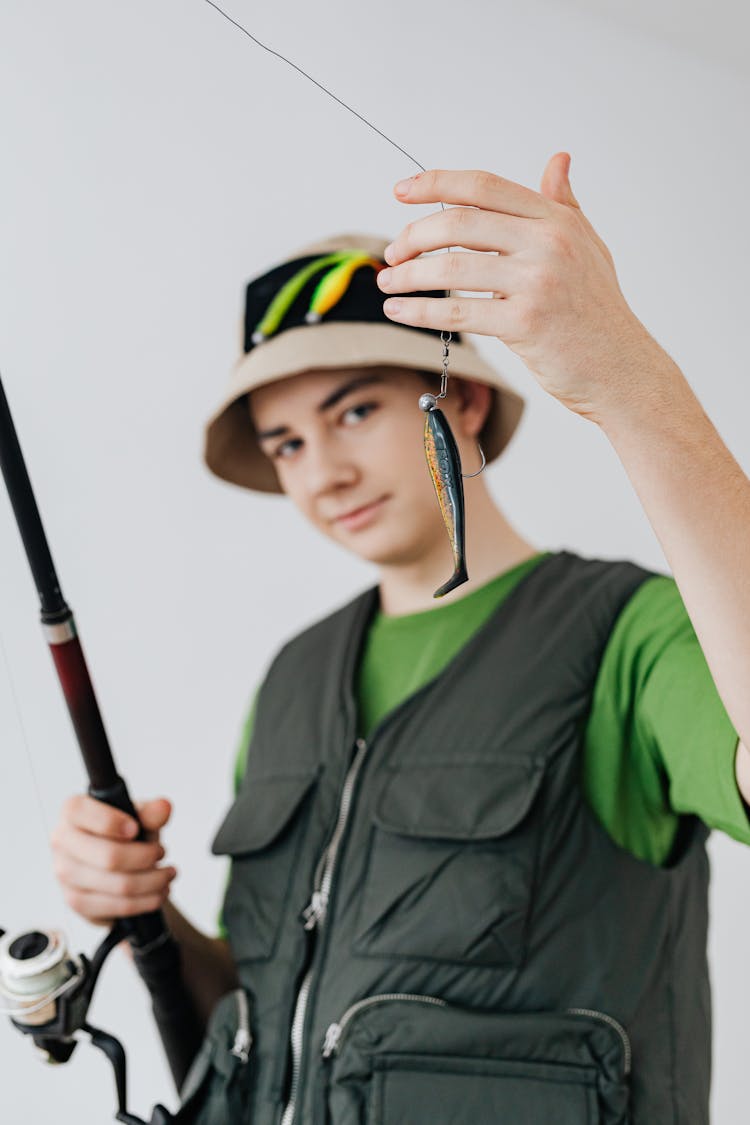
x=35, y=968
x=36, y=972
x=47, y=993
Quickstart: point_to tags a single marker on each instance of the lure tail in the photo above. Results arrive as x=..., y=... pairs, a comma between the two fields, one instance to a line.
x=444, y=464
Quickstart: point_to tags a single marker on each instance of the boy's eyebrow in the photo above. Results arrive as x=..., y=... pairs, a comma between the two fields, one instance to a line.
x=327, y=403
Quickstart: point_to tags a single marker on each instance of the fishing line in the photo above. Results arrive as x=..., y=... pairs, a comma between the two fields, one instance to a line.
x=443, y=456
x=318, y=84
x=444, y=336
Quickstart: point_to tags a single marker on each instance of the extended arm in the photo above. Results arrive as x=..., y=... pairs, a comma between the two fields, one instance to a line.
x=697, y=499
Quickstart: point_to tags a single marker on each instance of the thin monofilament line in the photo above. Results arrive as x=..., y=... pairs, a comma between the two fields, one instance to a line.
x=318, y=84
x=325, y=90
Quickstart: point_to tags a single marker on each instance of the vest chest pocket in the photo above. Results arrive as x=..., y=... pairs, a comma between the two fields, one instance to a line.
x=262, y=832
x=451, y=861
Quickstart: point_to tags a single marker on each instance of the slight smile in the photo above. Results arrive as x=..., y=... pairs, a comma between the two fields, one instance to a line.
x=359, y=517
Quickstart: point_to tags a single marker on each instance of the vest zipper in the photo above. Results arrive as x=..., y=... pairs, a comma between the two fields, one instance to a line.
x=335, y=1030
x=243, y=1040
x=314, y=916
x=612, y=1023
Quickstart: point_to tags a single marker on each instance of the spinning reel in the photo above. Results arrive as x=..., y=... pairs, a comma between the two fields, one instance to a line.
x=48, y=992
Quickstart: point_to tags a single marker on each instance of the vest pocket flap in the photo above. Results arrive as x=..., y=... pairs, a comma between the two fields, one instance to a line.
x=261, y=812
x=393, y=1052
x=476, y=801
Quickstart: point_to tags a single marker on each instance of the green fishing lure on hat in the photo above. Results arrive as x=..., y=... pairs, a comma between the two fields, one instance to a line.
x=299, y=333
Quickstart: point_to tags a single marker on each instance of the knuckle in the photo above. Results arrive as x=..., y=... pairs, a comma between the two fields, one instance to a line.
x=110, y=859
x=124, y=885
x=558, y=239
x=453, y=265
x=416, y=311
x=405, y=276
x=461, y=218
x=542, y=279
x=548, y=283
x=485, y=180
x=528, y=318
x=455, y=314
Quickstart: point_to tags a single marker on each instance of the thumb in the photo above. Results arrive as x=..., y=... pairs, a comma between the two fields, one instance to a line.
x=555, y=182
x=153, y=815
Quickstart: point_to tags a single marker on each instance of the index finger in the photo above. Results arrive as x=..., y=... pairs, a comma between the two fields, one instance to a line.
x=476, y=188
x=100, y=819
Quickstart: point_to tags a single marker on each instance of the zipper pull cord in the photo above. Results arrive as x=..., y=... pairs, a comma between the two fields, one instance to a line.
x=315, y=910
x=331, y=1041
x=243, y=1040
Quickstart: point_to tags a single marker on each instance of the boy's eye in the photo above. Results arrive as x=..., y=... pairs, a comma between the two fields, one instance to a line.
x=357, y=413
x=287, y=448
x=351, y=417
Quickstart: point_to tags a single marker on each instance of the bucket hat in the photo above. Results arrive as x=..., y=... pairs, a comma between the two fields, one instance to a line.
x=321, y=307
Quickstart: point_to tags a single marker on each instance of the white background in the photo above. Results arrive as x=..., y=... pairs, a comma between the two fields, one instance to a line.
x=153, y=159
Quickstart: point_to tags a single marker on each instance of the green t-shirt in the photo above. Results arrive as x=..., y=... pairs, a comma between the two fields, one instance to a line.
x=658, y=742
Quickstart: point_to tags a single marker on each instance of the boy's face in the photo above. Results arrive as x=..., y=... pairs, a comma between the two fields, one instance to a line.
x=347, y=446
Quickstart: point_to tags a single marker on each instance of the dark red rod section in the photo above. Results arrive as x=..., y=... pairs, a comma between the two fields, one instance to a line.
x=155, y=951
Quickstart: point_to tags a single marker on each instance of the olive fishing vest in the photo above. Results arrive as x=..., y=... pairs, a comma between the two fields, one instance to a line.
x=432, y=926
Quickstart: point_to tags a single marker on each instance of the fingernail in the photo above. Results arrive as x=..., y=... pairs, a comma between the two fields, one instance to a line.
x=388, y=252
x=129, y=829
x=403, y=186
x=392, y=305
x=384, y=276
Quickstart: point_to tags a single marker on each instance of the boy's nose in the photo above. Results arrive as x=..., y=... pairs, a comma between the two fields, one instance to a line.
x=328, y=470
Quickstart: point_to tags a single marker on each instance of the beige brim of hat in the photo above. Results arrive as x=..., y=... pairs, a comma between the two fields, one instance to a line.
x=231, y=450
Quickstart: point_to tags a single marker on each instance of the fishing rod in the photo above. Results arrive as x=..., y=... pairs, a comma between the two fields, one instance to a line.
x=50, y=991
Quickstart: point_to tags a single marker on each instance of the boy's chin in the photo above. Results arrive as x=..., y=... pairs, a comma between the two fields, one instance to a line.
x=382, y=554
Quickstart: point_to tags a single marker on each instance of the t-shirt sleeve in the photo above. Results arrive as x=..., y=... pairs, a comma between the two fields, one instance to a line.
x=658, y=742
x=240, y=761
x=680, y=716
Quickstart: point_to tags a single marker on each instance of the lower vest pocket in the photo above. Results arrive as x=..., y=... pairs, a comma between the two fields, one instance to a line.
x=216, y=1088
x=402, y=1059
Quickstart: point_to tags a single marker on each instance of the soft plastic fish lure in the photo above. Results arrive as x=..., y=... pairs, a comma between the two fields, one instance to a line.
x=444, y=463
x=445, y=469
x=334, y=284
x=338, y=268
x=440, y=445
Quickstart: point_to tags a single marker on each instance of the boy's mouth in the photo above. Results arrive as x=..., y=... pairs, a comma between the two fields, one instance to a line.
x=357, y=517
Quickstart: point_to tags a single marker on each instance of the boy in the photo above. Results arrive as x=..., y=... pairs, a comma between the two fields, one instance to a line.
x=468, y=877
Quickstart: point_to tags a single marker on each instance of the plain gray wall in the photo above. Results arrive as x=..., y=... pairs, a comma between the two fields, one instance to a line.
x=154, y=159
